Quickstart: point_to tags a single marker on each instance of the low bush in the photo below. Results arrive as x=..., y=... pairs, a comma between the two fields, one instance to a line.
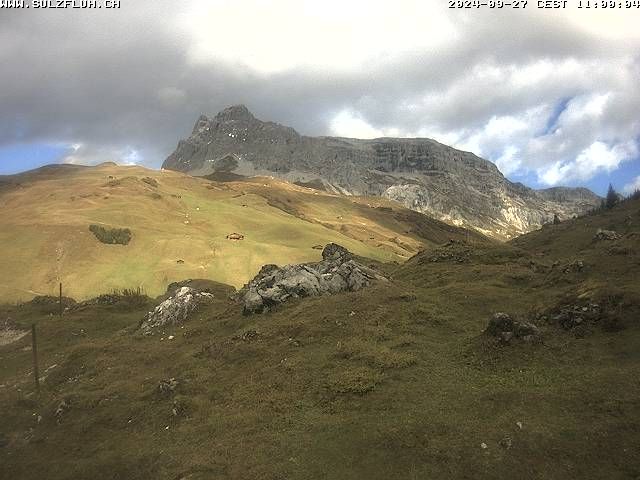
x=127, y=298
x=120, y=236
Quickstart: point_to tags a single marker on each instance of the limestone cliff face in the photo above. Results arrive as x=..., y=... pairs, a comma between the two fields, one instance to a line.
x=422, y=174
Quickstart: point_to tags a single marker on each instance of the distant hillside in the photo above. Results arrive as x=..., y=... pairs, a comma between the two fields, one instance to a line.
x=179, y=227
x=424, y=175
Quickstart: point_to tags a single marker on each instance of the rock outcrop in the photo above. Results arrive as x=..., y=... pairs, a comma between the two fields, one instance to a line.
x=175, y=309
x=506, y=328
x=606, y=235
x=422, y=174
x=572, y=316
x=337, y=272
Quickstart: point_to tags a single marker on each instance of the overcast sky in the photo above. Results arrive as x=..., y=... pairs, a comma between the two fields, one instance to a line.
x=550, y=96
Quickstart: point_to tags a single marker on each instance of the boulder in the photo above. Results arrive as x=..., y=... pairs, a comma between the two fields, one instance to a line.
x=502, y=326
x=337, y=272
x=500, y=322
x=606, y=235
x=175, y=309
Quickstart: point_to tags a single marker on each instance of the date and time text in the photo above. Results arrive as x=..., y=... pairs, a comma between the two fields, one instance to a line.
x=546, y=4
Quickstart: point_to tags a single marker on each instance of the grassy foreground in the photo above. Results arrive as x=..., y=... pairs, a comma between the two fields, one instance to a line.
x=394, y=381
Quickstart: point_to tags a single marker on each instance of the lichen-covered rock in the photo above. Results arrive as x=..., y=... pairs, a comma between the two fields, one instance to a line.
x=175, y=309
x=337, y=272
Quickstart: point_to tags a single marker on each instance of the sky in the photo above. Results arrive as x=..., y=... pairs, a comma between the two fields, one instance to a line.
x=550, y=96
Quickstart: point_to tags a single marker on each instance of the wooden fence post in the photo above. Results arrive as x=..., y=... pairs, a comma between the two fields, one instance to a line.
x=34, y=348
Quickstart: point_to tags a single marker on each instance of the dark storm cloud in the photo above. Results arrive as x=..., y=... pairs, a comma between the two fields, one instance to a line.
x=119, y=81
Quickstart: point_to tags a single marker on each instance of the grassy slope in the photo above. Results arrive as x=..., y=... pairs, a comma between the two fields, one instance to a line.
x=395, y=381
x=45, y=238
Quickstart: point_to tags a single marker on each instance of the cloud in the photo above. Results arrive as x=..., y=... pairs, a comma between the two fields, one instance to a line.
x=81, y=154
x=632, y=186
x=595, y=158
x=552, y=95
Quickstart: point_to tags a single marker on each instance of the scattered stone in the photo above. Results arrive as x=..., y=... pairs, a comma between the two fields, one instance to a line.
x=575, y=266
x=178, y=409
x=606, y=235
x=519, y=425
x=9, y=333
x=506, y=443
x=180, y=261
x=235, y=236
x=167, y=387
x=249, y=335
x=63, y=407
x=484, y=446
x=50, y=367
x=175, y=309
x=571, y=316
x=337, y=272
x=506, y=328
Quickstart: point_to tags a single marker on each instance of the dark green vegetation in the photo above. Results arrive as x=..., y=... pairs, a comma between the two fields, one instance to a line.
x=119, y=236
x=394, y=381
x=612, y=197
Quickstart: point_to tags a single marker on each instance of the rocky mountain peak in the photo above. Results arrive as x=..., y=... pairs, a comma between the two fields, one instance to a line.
x=235, y=112
x=422, y=174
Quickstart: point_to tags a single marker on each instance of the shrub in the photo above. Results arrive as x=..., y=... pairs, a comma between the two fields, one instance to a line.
x=125, y=298
x=612, y=197
x=120, y=236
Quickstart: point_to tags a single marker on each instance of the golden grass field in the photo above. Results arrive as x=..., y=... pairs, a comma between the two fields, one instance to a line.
x=45, y=216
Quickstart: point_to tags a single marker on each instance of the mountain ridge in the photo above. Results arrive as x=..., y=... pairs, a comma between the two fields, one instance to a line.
x=420, y=173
